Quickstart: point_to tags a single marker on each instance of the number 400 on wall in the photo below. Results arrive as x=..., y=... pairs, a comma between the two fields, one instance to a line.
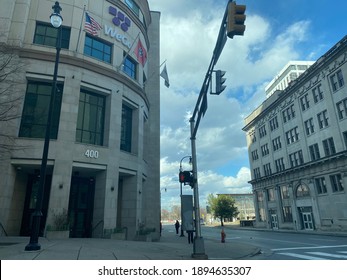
x=91, y=154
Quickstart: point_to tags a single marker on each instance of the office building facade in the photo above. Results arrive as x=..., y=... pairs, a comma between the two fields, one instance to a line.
x=297, y=145
x=103, y=166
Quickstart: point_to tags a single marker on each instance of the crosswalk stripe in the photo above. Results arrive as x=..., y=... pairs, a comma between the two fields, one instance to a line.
x=328, y=255
x=301, y=256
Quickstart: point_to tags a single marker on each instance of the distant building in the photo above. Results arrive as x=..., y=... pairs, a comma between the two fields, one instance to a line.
x=245, y=205
x=104, y=154
x=289, y=73
x=297, y=146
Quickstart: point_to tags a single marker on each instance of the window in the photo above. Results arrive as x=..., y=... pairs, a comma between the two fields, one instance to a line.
x=133, y=6
x=323, y=119
x=284, y=192
x=129, y=67
x=260, y=196
x=35, y=111
x=276, y=143
x=256, y=172
x=273, y=123
x=46, y=34
x=287, y=214
x=288, y=113
x=262, y=131
x=345, y=138
x=255, y=155
x=337, y=80
x=126, y=129
x=317, y=93
x=336, y=183
x=252, y=136
x=267, y=169
x=279, y=165
x=264, y=150
x=314, y=152
x=271, y=194
x=296, y=159
x=302, y=191
x=98, y=49
x=320, y=185
x=342, y=108
x=309, y=127
x=305, y=103
x=91, y=118
x=292, y=135
x=329, y=146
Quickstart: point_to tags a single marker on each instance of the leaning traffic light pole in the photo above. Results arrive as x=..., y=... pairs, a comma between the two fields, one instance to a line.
x=232, y=24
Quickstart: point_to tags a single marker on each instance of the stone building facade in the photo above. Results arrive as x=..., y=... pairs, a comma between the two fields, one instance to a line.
x=297, y=145
x=104, y=154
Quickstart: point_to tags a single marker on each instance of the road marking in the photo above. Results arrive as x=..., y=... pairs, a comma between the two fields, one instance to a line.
x=305, y=248
x=338, y=256
x=300, y=256
x=321, y=239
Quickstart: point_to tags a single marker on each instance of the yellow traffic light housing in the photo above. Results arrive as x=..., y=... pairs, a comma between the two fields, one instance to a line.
x=236, y=19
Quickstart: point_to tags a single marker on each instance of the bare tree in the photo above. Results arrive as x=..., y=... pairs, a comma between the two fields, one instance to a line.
x=11, y=80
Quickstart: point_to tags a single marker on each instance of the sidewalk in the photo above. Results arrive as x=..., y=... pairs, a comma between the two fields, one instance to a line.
x=170, y=247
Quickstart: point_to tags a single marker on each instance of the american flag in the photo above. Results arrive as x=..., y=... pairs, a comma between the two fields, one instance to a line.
x=91, y=25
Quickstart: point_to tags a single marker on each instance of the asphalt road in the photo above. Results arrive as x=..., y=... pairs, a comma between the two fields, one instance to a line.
x=276, y=245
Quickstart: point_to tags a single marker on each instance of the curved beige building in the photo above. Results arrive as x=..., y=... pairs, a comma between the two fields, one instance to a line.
x=104, y=153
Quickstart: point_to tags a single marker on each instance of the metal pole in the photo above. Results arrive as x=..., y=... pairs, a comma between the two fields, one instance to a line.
x=35, y=232
x=199, y=247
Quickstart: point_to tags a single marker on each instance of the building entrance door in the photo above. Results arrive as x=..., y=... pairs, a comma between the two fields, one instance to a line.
x=274, y=221
x=307, y=220
x=81, y=206
x=30, y=204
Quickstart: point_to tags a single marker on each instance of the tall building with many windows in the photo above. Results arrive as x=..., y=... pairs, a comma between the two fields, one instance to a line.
x=104, y=155
x=297, y=145
x=288, y=74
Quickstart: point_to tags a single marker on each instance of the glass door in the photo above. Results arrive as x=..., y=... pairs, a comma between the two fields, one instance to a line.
x=81, y=206
x=30, y=203
x=307, y=220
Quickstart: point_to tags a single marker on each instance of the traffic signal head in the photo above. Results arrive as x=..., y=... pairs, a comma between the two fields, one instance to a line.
x=236, y=19
x=219, y=82
x=186, y=177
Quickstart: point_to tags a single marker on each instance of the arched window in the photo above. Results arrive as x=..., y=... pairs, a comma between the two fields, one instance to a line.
x=302, y=191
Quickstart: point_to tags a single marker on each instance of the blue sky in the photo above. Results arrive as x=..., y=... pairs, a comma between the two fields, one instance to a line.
x=276, y=32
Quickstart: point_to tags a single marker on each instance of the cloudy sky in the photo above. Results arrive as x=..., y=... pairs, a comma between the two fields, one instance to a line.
x=276, y=32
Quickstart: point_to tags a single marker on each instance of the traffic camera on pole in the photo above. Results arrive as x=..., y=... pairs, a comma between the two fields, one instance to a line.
x=236, y=20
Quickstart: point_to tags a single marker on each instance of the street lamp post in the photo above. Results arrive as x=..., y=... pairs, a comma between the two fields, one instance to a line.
x=56, y=21
x=181, y=193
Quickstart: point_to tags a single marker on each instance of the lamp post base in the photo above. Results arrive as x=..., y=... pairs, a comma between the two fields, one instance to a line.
x=199, y=249
x=33, y=247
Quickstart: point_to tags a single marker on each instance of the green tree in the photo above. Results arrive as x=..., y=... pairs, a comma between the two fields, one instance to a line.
x=222, y=206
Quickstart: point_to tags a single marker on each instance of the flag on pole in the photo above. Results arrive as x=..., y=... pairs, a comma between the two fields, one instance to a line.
x=164, y=75
x=141, y=53
x=91, y=25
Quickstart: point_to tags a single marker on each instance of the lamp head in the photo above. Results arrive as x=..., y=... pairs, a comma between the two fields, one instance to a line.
x=56, y=18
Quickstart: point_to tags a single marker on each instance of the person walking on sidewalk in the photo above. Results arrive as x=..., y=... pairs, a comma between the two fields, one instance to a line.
x=177, y=226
